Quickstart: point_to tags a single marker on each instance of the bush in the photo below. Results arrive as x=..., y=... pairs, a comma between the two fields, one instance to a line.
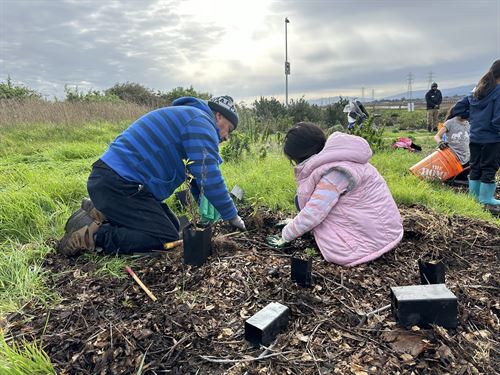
x=233, y=149
x=266, y=109
x=372, y=134
x=136, y=93
x=334, y=113
x=179, y=92
x=301, y=110
x=10, y=91
x=74, y=95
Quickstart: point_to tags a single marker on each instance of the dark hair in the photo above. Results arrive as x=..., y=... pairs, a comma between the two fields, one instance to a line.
x=449, y=114
x=303, y=141
x=488, y=82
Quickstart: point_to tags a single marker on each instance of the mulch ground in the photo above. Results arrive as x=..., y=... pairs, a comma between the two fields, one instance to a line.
x=106, y=325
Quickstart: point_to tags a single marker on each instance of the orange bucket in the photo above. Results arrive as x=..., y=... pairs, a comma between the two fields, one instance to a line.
x=441, y=165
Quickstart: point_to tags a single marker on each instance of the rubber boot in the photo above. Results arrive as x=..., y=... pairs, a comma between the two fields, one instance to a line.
x=487, y=194
x=474, y=188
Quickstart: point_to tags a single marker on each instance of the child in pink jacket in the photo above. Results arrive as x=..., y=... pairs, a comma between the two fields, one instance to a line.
x=342, y=198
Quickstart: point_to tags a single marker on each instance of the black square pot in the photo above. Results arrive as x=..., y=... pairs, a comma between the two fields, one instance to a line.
x=301, y=272
x=197, y=244
x=431, y=272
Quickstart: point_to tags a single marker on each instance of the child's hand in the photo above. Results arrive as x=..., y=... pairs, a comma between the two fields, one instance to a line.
x=283, y=223
x=442, y=145
x=276, y=241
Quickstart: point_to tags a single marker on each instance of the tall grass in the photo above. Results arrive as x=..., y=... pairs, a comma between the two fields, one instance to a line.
x=15, y=112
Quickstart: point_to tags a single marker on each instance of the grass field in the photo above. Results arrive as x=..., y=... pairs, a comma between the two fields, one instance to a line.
x=43, y=171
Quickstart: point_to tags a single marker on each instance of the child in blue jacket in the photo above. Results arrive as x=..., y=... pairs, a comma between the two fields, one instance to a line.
x=484, y=108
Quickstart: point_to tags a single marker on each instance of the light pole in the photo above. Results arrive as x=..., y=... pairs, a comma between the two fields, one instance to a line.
x=287, y=64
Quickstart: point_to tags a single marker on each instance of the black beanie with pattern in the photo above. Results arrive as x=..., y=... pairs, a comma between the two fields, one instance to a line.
x=225, y=106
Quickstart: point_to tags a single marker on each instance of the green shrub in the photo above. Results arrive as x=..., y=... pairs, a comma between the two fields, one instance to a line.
x=10, y=91
x=372, y=134
x=234, y=148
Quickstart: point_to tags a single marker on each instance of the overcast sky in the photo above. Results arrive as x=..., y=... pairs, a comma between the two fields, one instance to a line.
x=237, y=47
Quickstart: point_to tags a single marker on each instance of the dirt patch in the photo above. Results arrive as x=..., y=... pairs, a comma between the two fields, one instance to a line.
x=109, y=326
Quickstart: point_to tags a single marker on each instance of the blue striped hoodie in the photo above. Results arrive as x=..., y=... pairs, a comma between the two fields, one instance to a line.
x=151, y=150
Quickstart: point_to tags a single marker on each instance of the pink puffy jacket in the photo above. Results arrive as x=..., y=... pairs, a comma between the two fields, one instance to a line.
x=365, y=223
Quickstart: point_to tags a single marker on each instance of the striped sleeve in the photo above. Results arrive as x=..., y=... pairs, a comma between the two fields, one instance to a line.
x=200, y=142
x=324, y=197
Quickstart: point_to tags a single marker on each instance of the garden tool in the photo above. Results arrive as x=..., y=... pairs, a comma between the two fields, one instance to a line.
x=171, y=245
x=207, y=211
x=238, y=192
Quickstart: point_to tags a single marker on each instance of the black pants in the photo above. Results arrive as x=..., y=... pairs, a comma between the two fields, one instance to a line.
x=137, y=221
x=484, y=161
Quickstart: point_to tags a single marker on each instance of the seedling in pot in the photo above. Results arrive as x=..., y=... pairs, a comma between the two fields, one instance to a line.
x=197, y=244
x=431, y=268
x=197, y=236
x=301, y=268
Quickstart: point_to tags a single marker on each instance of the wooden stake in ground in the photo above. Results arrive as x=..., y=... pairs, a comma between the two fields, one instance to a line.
x=138, y=281
x=171, y=245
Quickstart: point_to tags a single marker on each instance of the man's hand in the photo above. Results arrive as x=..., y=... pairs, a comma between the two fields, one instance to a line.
x=238, y=223
x=442, y=145
x=276, y=241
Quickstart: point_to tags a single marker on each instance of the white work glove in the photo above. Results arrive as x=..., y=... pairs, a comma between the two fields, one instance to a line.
x=283, y=223
x=276, y=241
x=238, y=223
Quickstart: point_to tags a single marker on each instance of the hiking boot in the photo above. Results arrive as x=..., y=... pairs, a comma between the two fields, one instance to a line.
x=77, y=220
x=83, y=216
x=79, y=241
x=88, y=205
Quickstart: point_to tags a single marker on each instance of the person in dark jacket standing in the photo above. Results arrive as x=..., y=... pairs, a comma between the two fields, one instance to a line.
x=484, y=108
x=142, y=167
x=433, y=99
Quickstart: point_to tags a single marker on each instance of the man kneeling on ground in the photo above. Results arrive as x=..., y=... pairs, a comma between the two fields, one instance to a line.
x=142, y=167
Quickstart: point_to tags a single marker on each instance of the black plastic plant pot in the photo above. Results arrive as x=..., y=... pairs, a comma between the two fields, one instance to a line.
x=197, y=244
x=266, y=324
x=431, y=271
x=182, y=197
x=423, y=305
x=302, y=271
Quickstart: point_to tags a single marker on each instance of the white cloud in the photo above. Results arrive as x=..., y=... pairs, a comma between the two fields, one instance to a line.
x=237, y=46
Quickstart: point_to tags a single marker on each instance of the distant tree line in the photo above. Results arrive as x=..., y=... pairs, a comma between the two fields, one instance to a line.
x=265, y=114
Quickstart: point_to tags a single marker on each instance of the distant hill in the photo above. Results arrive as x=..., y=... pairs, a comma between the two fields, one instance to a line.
x=420, y=94
x=324, y=101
